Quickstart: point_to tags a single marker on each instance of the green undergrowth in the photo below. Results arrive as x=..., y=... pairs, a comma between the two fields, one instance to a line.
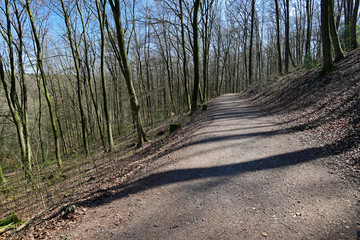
x=10, y=222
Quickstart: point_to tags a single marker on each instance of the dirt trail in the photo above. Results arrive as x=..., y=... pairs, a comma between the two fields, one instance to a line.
x=239, y=176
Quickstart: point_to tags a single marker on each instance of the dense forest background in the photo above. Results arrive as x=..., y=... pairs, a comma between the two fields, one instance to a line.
x=77, y=74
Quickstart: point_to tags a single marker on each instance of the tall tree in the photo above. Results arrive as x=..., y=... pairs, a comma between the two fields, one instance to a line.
x=278, y=37
x=309, y=16
x=355, y=15
x=17, y=100
x=74, y=46
x=39, y=60
x=101, y=15
x=195, y=26
x=183, y=45
x=251, y=39
x=134, y=104
x=287, y=37
x=339, y=54
x=325, y=33
x=207, y=15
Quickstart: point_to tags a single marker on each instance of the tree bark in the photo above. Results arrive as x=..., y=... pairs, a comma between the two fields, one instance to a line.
x=115, y=7
x=196, y=53
x=2, y=177
x=16, y=119
x=251, y=40
x=278, y=37
x=75, y=54
x=43, y=77
x=287, y=37
x=17, y=105
x=354, y=43
x=325, y=33
x=309, y=14
x=183, y=43
x=339, y=54
x=102, y=19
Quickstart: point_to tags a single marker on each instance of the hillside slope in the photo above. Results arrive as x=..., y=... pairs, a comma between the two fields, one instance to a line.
x=327, y=110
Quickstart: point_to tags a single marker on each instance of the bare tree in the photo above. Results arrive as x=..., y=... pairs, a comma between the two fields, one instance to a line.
x=183, y=45
x=355, y=16
x=339, y=54
x=287, y=35
x=17, y=102
x=278, y=44
x=325, y=33
x=196, y=53
x=74, y=46
x=116, y=10
x=101, y=11
x=39, y=60
x=251, y=40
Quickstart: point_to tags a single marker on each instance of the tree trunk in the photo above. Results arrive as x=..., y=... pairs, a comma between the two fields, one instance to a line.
x=102, y=19
x=196, y=57
x=287, y=37
x=17, y=109
x=309, y=14
x=183, y=43
x=251, y=40
x=75, y=55
x=354, y=43
x=326, y=43
x=43, y=77
x=2, y=177
x=115, y=7
x=339, y=54
x=278, y=37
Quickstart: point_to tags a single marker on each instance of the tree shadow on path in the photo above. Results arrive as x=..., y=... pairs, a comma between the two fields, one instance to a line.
x=229, y=111
x=184, y=175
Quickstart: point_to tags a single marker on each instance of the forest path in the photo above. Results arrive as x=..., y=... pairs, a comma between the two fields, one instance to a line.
x=239, y=176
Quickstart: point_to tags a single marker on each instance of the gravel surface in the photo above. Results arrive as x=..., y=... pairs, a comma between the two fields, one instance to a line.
x=240, y=175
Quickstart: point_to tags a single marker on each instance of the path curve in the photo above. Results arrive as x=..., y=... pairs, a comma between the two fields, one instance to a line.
x=239, y=176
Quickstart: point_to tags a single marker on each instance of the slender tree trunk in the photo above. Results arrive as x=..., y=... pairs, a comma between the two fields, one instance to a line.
x=183, y=43
x=278, y=37
x=75, y=55
x=309, y=14
x=325, y=33
x=115, y=7
x=42, y=148
x=96, y=106
x=168, y=63
x=217, y=53
x=102, y=19
x=207, y=19
x=2, y=177
x=251, y=40
x=354, y=43
x=195, y=26
x=16, y=119
x=18, y=110
x=43, y=77
x=24, y=99
x=339, y=54
x=287, y=37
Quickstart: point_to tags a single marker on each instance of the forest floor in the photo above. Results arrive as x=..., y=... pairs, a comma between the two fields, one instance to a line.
x=281, y=163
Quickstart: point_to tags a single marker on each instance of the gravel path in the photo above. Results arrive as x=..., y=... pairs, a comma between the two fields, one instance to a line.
x=239, y=176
